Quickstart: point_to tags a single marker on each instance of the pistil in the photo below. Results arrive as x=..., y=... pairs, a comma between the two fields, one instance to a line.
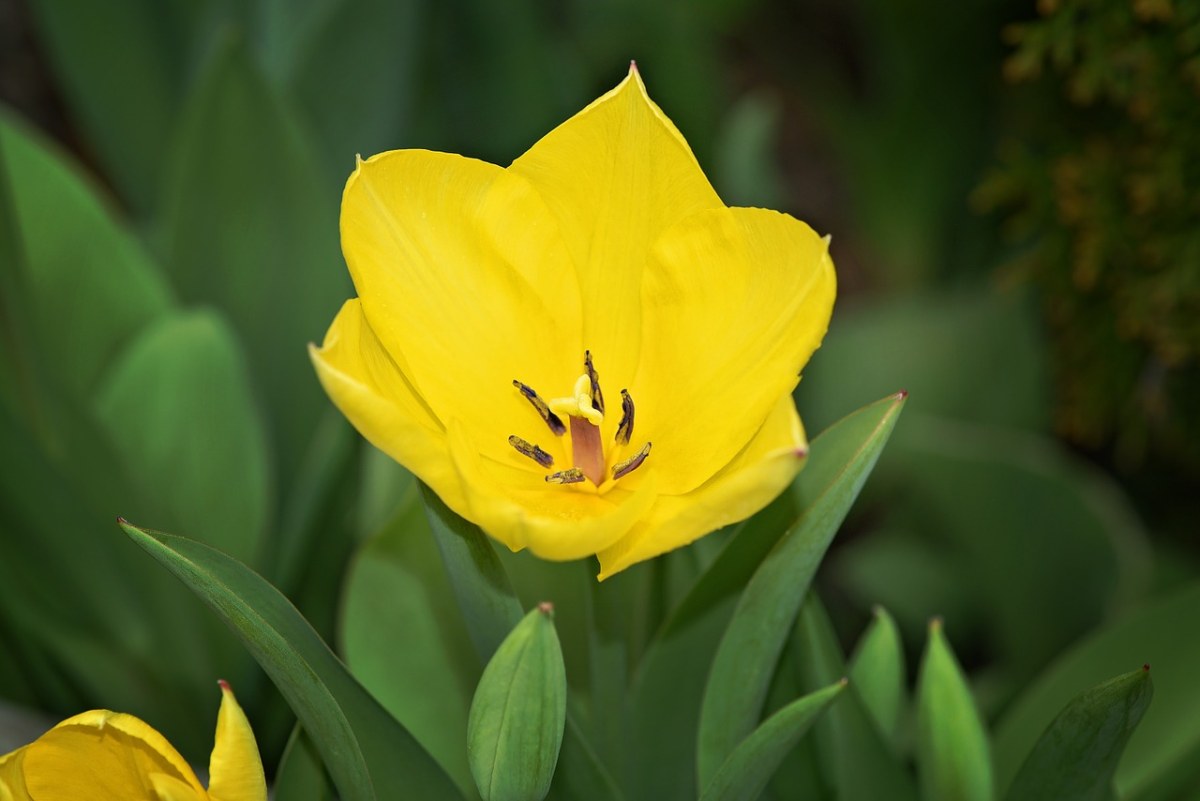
x=586, y=449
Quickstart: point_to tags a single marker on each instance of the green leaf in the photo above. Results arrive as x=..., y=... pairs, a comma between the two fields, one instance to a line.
x=368, y=753
x=877, y=670
x=853, y=754
x=404, y=639
x=515, y=728
x=741, y=671
x=179, y=409
x=128, y=108
x=490, y=609
x=252, y=229
x=750, y=767
x=953, y=759
x=87, y=285
x=1077, y=755
x=1161, y=754
x=301, y=776
x=485, y=596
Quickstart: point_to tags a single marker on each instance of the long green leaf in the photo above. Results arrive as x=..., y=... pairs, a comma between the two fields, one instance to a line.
x=741, y=671
x=853, y=755
x=1077, y=755
x=368, y=753
x=877, y=670
x=667, y=689
x=251, y=228
x=1161, y=756
x=750, y=767
x=953, y=757
x=301, y=775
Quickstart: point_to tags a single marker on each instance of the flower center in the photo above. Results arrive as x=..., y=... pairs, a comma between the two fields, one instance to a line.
x=584, y=411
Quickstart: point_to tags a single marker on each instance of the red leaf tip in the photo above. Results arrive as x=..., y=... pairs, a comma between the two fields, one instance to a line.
x=902, y=394
x=122, y=521
x=546, y=608
x=1146, y=667
x=224, y=685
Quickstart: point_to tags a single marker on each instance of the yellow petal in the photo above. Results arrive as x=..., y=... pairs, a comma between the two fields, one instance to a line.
x=103, y=755
x=235, y=769
x=616, y=175
x=464, y=278
x=12, y=778
x=371, y=389
x=736, y=300
x=169, y=788
x=555, y=522
x=752, y=480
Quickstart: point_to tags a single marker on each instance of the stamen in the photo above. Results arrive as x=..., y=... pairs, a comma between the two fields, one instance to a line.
x=625, y=427
x=552, y=420
x=633, y=463
x=527, y=448
x=572, y=476
x=597, y=395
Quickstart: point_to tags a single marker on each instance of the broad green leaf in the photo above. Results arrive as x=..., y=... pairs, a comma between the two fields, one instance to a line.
x=368, y=753
x=179, y=409
x=404, y=639
x=252, y=229
x=515, y=726
x=1161, y=753
x=88, y=285
x=128, y=108
x=877, y=670
x=354, y=84
x=854, y=756
x=1077, y=755
x=750, y=767
x=667, y=690
x=580, y=775
x=953, y=759
x=881, y=345
x=485, y=595
x=301, y=776
x=741, y=670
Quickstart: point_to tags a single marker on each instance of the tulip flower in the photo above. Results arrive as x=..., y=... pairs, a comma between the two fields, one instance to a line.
x=585, y=352
x=111, y=756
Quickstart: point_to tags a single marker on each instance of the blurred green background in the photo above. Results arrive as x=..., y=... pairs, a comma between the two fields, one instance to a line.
x=1013, y=193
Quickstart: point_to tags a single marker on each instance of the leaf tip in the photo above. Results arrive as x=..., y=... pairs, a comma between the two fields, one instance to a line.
x=902, y=395
x=1146, y=667
x=546, y=608
x=935, y=624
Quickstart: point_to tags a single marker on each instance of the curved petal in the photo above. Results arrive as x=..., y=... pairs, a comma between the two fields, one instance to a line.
x=235, y=769
x=12, y=776
x=102, y=754
x=557, y=522
x=752, y=480
x=463, y=276
x=736, y=300
x=616, y=175
x=368, y=387
x=169, y=788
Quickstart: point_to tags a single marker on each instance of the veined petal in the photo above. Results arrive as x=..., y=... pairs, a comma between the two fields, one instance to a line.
x=102, y=754
x=735, y=302
x=12, y=778
x=235, y=769
x=616, y=175
x=555, y=522
x=752, y=480
x=369, y=387
x=464, y=279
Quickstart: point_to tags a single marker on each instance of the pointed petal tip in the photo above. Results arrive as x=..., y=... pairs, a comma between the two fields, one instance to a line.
x=224, y=685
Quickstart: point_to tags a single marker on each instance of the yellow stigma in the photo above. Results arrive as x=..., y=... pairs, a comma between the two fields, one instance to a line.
x=580, y=404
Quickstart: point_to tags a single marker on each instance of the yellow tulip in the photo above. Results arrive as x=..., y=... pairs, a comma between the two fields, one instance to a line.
x=586, y=352
x=111, y=756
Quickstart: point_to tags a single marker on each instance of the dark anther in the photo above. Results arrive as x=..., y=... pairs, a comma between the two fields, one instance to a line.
x=597, y=395
x=625, y=427
x=556, y=425
x=527, y=448
x=572, y=476
x=633, y=463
